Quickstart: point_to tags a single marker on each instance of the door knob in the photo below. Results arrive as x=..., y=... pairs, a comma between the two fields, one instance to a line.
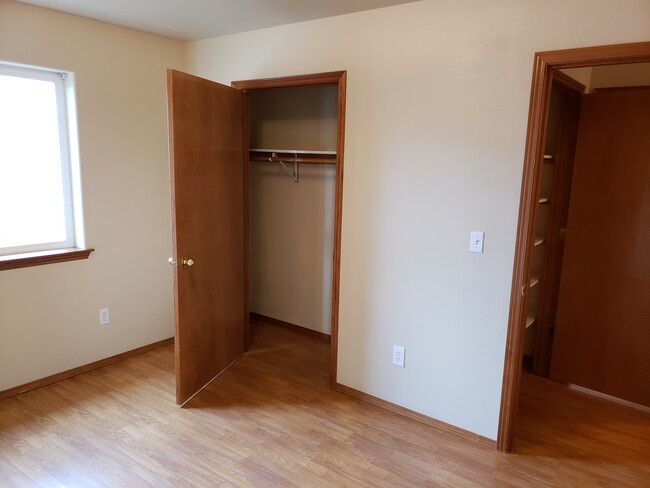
x=172, y=263
x=189, y=262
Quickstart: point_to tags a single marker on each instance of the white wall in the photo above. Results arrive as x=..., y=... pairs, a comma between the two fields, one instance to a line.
x=437, y=108
x=303, y=118
x=49, y=314
x=581, y=75
x=292, y=234
x=637, y=74
x=618, y=75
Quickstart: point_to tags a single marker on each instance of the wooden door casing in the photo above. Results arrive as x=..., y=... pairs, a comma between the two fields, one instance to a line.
x=602, y=334
x=338, y=78
x=207, y=189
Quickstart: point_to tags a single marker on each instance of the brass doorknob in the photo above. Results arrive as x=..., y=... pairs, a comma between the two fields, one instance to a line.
x=189, y=262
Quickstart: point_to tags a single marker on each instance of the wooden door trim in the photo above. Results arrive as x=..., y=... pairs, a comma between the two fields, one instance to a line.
x=172, y=185
x=566, y=83
x=247, y=237
x=338, y=78
x=338, y=219
x=327, y=78
x=544, y=66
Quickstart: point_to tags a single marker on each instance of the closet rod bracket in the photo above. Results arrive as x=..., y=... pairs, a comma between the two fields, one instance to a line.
x=295, y=175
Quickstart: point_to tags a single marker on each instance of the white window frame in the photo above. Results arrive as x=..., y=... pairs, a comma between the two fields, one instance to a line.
x=68, y=143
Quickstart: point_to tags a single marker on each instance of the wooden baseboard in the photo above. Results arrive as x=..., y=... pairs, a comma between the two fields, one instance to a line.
x=294, y=327
x=436, y=424
x=609, y=398
x=64, y=375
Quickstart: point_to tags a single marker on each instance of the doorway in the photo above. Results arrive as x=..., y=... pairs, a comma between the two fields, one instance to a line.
x=321, y=152
x=545, y=66
x=209, y=155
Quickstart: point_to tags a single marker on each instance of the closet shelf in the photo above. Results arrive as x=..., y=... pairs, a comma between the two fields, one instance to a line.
x=530, y=320
x=534, y=280
x=538, y=241
x=548, y=158
x=544, y=200
x=293, y=155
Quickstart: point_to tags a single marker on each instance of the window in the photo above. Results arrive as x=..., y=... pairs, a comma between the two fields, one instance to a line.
x=40, y=204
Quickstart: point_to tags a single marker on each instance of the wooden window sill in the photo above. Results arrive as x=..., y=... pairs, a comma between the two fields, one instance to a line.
x=39, y=258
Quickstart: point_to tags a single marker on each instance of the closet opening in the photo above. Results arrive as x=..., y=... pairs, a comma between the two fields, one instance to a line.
x=602, y=186
x=293, y=137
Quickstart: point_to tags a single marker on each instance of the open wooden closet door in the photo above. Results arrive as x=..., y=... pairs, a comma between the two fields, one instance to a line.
x=207, y=190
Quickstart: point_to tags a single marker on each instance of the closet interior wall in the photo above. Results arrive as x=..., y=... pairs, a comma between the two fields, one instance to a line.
x=292, y=222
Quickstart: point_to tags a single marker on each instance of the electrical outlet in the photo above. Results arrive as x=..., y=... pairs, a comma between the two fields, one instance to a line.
x=104, y=318
x=398, y=356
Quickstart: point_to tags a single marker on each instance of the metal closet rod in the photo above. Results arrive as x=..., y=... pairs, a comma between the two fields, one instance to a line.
x=303, y=156
x=286, y=156
x=293, y=151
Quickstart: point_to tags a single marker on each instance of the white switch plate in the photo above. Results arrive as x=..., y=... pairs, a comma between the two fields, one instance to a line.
x=398, y=356
x=104, y=318
x=476, y=241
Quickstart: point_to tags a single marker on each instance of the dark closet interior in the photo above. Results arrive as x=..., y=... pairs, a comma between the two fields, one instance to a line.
x=588, y=321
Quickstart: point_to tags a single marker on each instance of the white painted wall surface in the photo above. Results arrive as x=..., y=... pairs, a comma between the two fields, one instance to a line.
x=437, y=108
x=612, y=76
x=49, y=318
x=294, y=118
x=637, y=74
x=581, y=75
x=292, y=234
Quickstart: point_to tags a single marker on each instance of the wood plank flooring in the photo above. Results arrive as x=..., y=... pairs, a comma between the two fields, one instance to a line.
x=604, y=443
x=271, y=420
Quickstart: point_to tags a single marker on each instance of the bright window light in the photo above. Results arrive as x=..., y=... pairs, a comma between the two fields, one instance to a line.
x=36, y=187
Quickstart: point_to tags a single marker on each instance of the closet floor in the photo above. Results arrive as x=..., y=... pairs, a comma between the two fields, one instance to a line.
x=272, y=420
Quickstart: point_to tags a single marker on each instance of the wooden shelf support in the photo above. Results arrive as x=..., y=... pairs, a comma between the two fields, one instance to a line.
x=530, y=320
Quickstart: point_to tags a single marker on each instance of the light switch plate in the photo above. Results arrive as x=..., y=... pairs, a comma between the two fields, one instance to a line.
x=476, y=241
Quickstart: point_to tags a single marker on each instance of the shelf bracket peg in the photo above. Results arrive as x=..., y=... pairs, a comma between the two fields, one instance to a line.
x=296, y=175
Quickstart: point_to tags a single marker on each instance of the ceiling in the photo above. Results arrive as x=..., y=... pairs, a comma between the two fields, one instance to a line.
x=200, y=19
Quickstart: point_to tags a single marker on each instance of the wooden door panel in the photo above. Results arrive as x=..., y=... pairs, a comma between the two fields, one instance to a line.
x=602, y=334
x=207, y=185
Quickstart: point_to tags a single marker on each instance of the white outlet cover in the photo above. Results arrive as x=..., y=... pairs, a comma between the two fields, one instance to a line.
x=398, y=356
x=104, y=317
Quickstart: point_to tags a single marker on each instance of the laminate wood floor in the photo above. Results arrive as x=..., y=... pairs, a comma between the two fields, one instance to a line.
x=271, y=420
